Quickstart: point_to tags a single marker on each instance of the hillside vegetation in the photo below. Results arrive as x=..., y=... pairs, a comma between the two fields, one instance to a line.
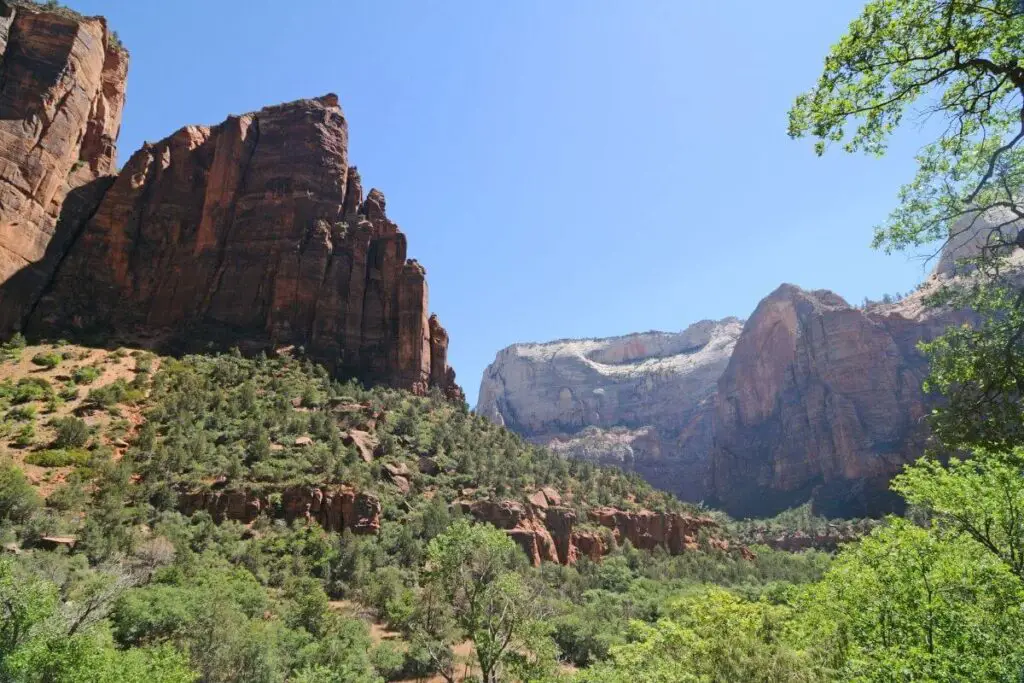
x=101, y=446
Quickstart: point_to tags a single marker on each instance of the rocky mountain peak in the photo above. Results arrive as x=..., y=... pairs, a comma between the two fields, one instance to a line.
x=251, y=233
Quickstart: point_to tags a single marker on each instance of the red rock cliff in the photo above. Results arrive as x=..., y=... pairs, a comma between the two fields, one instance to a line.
x=546, y=530
x=255, y=233
x=820, y=401
x=62, y=88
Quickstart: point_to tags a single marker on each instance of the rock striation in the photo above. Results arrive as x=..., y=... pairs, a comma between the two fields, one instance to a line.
x=62, y=90
x=641, y=401
x=335, y=508
x=821, y=401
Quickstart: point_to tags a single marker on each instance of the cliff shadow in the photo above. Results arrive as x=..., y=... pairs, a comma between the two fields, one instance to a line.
x=22, y=292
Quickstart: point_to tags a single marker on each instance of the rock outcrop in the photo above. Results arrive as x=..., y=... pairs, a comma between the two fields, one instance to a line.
x=334, y=508
x=255, y=233
x=547, y=531
x=62, y=90
x=821, y=401
x=643, y=402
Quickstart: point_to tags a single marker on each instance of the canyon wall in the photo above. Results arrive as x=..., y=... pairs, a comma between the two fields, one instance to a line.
x=821, y=401
x=642, y=402
x=810, y=400
x=62, y=90
x=253, y=233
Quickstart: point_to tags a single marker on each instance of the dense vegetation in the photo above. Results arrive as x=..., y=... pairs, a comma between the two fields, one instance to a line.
x=181, y=597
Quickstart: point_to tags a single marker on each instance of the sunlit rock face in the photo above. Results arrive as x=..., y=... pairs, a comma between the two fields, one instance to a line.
x=254, y=233
x=62, y=93
x=822, y=401
x=642, y=401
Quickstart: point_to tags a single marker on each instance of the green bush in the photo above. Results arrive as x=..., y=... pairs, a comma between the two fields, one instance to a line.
x=10, y=351
x=32, y=389
x=58, y=457
x=23, y=412
x=72, y=432
x=26, y=436
x=106, y=397
x=86, y=374
x=18, y=500
x=47, y=360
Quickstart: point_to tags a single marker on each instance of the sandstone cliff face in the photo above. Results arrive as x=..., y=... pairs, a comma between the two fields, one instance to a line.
x=335, y=508
x=62, y=89
x=820, y=401
x=642, y=402
x=254, y=233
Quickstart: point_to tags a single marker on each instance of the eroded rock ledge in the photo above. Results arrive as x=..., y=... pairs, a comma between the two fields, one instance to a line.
x=548, y=531
x=335, y=508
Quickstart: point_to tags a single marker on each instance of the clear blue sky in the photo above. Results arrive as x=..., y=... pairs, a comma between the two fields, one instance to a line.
x=568, y=168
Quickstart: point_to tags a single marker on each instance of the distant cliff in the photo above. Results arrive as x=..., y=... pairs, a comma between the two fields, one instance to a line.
x=252, y=233
x=810, y=399
x=643, y=401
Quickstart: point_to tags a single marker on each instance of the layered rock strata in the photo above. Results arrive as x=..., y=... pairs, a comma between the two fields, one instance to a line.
x=548, y=531
x=335, y=508
x=810, y=399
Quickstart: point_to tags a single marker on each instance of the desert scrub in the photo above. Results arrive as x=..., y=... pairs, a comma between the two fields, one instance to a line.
x=31, y=389
x=106, y=397
x=143, y=361
x=86, y=374
x=47, y=360
x=58, y=457
x=23, y=412
x=10, y=351
x=71, y=432
x=69, y=392
x=26, y=436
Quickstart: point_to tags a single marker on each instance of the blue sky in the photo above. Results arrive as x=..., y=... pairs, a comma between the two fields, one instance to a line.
x=570, y=168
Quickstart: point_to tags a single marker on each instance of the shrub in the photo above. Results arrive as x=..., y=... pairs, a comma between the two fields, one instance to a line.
x=32, y=389
x=47, y=360
x=58, y=457
x=12, y=348
x=110, y=395
x=26, y=436
x=72, y=432
x=86, y=374
x=25, y=412
x=18, y=500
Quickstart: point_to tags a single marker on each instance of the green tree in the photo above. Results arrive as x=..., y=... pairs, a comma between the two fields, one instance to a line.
x=982, y=498
x=907, y=604
x=961, y=62
x=72, y=432
x=41, y=643
x=709, y=637
x=18, y=500
x=471, y=572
